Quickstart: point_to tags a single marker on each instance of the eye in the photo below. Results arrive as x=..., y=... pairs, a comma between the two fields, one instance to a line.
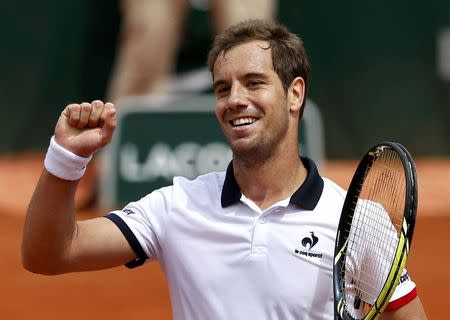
x=221, y=90
x=254, y=83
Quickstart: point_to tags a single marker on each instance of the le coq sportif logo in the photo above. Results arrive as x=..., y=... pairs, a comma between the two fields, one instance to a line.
x=308, y=243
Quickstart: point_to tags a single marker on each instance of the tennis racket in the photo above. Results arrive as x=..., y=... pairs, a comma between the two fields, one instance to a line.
x=374, y=232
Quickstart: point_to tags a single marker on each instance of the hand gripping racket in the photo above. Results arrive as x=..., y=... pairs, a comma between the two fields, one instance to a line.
x=374, y=232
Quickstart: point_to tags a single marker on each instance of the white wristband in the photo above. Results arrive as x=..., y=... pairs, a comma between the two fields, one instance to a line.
x=63, y=163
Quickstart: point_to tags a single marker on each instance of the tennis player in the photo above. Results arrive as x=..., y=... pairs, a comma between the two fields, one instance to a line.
x=254, y=242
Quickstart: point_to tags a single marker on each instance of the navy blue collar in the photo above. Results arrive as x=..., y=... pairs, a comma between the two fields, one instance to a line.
x=306, y=196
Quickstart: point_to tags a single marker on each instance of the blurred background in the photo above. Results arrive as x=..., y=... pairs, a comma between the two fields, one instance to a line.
x=381, y=68
x=380, y=71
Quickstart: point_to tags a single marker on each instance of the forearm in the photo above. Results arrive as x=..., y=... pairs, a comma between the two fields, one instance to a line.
x=412, y=311
x=49, y=225
x=53, y=242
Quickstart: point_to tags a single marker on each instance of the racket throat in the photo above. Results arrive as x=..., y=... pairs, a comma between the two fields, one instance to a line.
x=357, y=302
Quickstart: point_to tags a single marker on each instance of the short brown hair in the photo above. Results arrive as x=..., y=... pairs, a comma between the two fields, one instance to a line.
x=289, y=57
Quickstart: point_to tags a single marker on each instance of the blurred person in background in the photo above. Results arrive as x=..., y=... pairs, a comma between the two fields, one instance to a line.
x=151, y=32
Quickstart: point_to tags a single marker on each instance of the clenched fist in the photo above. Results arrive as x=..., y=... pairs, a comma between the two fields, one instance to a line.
x=84, y=128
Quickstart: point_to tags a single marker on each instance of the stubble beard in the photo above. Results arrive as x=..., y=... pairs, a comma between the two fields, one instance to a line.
x=259, y=153
x=262, y=149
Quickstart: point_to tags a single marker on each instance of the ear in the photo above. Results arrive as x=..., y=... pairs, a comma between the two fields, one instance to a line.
x=296, y=94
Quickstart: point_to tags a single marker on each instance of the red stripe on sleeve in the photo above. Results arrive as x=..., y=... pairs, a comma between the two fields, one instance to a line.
x=400, y=302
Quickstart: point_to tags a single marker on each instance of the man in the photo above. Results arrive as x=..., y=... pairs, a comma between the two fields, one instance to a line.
x=230, y=243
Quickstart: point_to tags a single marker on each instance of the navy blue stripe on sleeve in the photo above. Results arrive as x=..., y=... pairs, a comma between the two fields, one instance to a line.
x=132, y=240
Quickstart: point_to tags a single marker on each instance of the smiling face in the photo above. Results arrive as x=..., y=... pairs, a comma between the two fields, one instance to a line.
x=251, y=105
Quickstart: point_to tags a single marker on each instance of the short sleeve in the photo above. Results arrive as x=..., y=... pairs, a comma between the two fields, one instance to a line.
x=142, y=224
x=404, y=293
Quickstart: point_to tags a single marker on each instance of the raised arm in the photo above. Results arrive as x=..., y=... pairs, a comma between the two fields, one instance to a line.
x=53, y=241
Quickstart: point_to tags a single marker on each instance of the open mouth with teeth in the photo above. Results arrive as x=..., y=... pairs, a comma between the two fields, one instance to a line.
x=242, y=122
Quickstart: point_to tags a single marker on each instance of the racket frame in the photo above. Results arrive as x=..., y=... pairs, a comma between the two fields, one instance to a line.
x=406, y=232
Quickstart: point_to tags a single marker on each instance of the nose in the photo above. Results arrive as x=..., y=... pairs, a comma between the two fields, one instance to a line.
x=237, y=97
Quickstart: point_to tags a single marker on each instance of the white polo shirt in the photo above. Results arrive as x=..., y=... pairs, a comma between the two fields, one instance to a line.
x=224, y=258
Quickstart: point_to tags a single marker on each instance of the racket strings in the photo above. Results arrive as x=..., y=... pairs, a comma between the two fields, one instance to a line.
x=374, y=232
